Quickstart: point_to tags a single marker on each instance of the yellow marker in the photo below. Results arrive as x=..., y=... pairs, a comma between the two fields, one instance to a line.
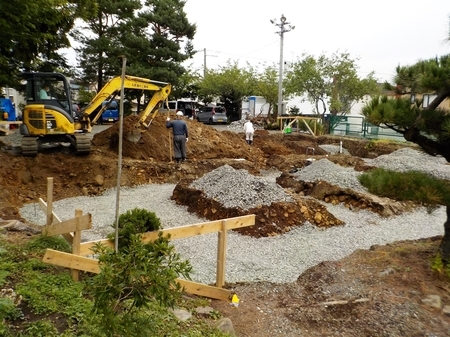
x=235, y=301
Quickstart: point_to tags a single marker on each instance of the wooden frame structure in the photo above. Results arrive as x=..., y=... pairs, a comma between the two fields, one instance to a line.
x=293, y=119
x=78, y=260
x=5, y=132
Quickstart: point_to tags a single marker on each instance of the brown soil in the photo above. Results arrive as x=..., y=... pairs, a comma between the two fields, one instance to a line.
x=390, y=305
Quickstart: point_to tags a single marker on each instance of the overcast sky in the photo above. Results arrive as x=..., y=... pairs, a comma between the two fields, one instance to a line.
x=382, y=33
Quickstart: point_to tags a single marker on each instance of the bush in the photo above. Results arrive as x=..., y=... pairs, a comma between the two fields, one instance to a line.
x=132, y=279
x=135, y=221
x=411, y=185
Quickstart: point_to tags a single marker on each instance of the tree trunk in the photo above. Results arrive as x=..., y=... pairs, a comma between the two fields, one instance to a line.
x=445, y=243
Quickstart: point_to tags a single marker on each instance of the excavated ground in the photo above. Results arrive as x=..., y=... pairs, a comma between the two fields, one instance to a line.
x=150, y=161
x=394, y=308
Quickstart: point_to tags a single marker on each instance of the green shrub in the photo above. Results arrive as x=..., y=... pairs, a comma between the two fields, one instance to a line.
x=44, y=328
x=8, y=310
x=411, y=185
x=132, y=278
x=135, y=221
x=438, y=266
x=42, y=242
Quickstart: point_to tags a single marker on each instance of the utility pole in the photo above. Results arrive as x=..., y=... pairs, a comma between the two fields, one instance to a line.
x=284, y=28
x=204, y=60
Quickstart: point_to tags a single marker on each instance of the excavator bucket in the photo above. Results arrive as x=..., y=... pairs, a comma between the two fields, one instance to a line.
x=134, y=135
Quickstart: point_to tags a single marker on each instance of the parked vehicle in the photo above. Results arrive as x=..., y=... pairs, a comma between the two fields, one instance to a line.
x=111, y=113
x=186, y=106
x=212, y=115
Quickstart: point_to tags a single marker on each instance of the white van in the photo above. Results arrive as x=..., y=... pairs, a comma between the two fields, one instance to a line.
x=186, y=106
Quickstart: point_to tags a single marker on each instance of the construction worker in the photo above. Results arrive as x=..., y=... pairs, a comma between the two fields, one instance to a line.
x=180, y=136
x=249, y=131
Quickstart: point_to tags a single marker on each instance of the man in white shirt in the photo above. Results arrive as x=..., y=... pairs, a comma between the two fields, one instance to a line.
x=249, y=131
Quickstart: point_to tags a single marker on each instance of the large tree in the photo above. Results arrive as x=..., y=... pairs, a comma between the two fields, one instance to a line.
x=33, y=32
x=99, y=39
x=230, y=84
x=330, y=83
x=159, y=41
x=428, y=126
x=267, y=86
x=155, y=36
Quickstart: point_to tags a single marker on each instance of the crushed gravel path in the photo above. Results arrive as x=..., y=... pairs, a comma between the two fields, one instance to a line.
x=277, y=259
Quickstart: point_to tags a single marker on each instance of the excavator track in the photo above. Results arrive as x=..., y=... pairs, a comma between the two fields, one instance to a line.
x=29, y=146
x=83, y=144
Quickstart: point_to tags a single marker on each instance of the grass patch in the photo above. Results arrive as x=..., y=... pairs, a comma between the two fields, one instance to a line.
x=57, y=306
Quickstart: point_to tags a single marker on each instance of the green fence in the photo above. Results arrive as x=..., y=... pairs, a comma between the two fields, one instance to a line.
x=357, y=126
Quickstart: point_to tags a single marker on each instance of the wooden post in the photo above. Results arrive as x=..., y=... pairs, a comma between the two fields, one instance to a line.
x=221, y=255
x=49, y=201
x=76, y=243
x=170, y=146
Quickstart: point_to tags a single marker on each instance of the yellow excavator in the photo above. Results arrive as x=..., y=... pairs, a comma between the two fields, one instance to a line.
x=49, y=117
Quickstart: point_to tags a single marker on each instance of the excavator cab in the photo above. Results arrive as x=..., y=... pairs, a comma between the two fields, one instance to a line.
x=51, y=89
x=47, y=116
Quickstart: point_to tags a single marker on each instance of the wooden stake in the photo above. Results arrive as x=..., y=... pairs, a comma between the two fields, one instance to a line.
x=49, y=201
x=76, y=244
x=170, y=146
x=221, y=255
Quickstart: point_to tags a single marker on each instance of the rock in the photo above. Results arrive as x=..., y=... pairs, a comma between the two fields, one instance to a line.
x=387, y=272
x=85, y=190
x=181, y=314
x=99, y=180
x=433, y=301
x=318, y=218
x=446, y=310
x=226, y=326
x=204, y=311
x=17, y=226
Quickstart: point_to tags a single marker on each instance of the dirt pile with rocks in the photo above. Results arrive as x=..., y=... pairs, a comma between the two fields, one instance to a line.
x=155, y=143
x=226, y=193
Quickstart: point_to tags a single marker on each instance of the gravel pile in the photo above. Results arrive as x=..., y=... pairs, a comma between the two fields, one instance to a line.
x=323, y=169
x=408, y=159
x=14, y=139
x=238, y=188
x=277, y=259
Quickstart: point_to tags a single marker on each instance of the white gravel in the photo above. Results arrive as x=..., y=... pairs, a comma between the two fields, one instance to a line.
x=277, y=259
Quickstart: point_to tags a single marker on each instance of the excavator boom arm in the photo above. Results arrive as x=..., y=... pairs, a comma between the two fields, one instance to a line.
x=113, y=87
x=159, y=96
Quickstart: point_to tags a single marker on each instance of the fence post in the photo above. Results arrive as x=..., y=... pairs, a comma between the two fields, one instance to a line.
x=76, y=243
x=221, y=255
x=49, y=201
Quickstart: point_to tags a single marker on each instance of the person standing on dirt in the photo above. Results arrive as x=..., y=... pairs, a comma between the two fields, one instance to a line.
x=249, y=131
x=180, y=136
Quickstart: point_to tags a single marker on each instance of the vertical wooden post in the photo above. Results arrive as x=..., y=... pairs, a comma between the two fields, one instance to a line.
x=76, y=243
x=170, y=144
x=49, y=201
x=221, y=255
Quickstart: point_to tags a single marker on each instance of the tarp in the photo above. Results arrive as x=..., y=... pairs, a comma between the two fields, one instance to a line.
x=6, y=105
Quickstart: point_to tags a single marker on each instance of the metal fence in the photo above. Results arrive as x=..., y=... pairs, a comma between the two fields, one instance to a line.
x=359, y=127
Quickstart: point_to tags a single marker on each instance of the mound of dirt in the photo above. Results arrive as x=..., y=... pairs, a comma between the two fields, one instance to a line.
x=274, y=219
x=205, y=142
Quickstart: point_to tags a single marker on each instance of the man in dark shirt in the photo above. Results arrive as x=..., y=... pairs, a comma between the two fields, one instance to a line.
x=180, y=136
